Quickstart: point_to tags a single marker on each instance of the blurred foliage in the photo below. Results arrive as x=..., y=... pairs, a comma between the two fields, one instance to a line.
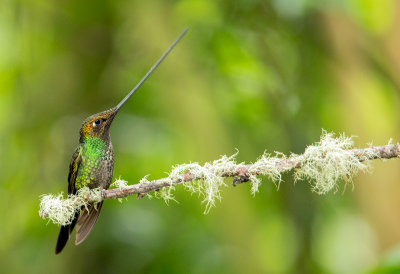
x=253, y=75
x=389, y=264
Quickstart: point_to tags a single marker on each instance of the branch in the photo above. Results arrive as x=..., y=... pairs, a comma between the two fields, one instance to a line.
x=242, y=173
x=323, y=164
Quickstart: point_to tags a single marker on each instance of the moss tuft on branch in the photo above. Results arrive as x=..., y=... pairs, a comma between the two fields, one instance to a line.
x=329, y=161
x=62, y=211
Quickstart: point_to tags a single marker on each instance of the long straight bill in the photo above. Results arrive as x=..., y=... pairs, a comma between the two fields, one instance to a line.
x=152, y=69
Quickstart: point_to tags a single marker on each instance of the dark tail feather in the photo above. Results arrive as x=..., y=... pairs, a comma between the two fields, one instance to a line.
x=86, y=222
x=63, y=236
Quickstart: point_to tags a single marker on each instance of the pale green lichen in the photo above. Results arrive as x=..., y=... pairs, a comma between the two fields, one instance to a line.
x=328, y=161
x=166, y=194
x=208, y=178
x=266, y=165
x=62, y=211
x=144, y=180
x=119, y=183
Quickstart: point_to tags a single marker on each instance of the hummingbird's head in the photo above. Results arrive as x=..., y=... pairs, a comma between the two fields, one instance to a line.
x=98, y=125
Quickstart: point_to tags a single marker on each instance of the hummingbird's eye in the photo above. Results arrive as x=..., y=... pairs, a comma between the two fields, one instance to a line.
x=97, y=122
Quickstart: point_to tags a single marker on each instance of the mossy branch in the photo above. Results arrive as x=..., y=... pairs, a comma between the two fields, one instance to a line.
x=324, y=164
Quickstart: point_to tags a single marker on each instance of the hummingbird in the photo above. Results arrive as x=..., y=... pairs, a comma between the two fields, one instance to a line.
x=92, y=164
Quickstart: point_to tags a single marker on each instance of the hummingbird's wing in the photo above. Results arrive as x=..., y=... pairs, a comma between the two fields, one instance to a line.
x=66, y=230
x=73, y=169
x=86, y=221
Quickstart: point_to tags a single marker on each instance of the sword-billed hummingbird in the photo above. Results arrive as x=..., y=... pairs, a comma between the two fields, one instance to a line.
x=92, y=163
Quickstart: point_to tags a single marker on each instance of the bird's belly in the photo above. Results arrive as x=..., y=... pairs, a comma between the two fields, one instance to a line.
x=95, y=173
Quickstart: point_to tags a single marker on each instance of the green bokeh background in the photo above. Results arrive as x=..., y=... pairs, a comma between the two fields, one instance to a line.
x=252, y=75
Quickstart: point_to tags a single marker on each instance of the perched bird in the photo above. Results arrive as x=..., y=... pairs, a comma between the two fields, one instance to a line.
x=92, y=163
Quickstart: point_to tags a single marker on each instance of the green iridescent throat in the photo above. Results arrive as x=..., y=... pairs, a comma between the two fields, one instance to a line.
x=92, y=150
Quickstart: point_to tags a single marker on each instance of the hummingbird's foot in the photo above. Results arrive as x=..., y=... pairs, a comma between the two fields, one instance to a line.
x=140, y=196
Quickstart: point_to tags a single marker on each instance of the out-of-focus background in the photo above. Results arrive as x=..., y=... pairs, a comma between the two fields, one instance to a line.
x=252, y=75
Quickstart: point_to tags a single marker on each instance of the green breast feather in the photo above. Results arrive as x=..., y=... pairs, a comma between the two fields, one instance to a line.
x=93, y=151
